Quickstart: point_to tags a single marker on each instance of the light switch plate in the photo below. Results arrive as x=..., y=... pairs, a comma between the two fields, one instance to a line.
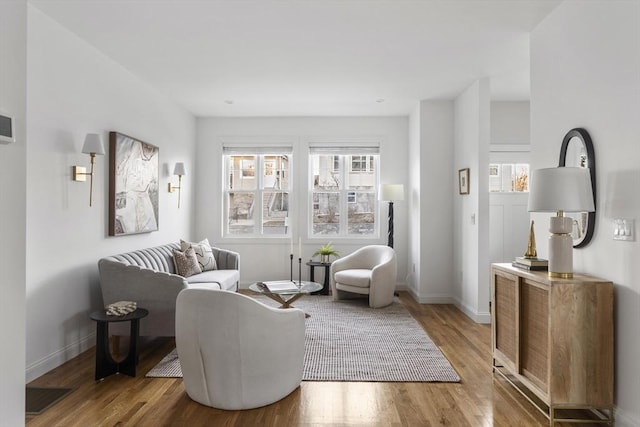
x=624, y=229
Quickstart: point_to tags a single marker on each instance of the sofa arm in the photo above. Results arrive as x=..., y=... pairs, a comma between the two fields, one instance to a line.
x=122, y=282
x=225, y=259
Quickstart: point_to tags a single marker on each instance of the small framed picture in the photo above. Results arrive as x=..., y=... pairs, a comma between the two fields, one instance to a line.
x=463, y=181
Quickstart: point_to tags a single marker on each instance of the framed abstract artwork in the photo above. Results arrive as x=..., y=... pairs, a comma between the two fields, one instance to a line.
x=463, y=181
x=133, y=185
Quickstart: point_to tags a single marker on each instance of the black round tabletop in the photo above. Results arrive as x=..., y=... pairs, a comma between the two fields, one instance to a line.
x=102, y=316
x=318, y=263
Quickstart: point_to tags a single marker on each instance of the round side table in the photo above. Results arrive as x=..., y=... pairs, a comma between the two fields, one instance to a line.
x=325, y=285
x=105, y=365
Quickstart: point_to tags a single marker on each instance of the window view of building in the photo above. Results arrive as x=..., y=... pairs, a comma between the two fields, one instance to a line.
x=344, y=194
x=509, y=177
x=257, y=194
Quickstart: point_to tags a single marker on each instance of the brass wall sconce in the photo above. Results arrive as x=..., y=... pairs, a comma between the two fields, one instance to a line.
x=177, y=170
x=92, y=146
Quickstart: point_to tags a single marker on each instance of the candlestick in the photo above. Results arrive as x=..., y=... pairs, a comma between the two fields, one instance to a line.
x=299, y=247
x=291, y=251
x=299, y=272
x=291, y=266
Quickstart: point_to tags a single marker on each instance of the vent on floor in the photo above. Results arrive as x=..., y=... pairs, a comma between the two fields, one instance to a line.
x=39, y=399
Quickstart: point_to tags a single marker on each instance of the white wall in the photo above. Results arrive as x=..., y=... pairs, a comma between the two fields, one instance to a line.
x=510, y=122
x=436, y=201
x=13, y=70
x=268, y=258
x=471, y=211
x=585, y=72
x=73, y=89
x=509, y=218
x=413, y=198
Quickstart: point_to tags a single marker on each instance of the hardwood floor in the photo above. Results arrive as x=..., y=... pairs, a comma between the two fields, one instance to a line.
x=481, y=399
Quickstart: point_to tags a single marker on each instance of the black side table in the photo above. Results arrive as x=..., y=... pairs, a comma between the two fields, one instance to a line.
x=105, y=365
x=325, y=285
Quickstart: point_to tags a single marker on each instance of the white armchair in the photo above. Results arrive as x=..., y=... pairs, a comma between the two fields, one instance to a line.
x=370, y=270
x=235, y=352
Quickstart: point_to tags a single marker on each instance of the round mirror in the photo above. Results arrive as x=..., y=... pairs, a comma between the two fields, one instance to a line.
x=577, y=151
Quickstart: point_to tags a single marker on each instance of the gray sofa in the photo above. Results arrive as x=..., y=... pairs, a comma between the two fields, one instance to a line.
x=148, y=277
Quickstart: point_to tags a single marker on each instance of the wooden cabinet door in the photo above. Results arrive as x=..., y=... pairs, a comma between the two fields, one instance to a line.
x=534, y=334
x=505, y=318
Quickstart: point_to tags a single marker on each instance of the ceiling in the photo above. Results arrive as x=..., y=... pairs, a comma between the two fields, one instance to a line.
x=311, y=57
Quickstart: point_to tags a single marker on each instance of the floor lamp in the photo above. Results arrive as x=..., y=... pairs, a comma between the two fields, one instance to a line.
x=391, y=193
x=561, y=190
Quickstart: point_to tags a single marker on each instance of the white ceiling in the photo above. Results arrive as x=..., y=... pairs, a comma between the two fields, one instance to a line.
x=311, y=57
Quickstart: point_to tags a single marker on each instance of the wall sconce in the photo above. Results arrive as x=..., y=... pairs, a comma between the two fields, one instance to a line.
x=561, y=190
x=391, y=193
x=92, y=146
x=178, y=170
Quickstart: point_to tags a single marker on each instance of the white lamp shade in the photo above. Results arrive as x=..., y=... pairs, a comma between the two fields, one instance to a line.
x=93, y=144
x=561, y=189
x=179, y=169
x=392, y=192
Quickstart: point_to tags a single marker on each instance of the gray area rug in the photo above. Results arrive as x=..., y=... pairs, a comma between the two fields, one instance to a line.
x=348, y=341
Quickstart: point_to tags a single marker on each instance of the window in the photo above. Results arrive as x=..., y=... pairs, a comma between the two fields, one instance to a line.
x=256, y=190
x=344, y=189
x=509, y=177
x=361, y=164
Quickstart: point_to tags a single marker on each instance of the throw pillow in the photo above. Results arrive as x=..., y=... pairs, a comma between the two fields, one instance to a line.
x=186, y=262
x=204, y=253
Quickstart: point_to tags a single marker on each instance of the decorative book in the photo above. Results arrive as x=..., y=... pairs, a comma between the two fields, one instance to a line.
x=537, y=262
x=530, y=267
x=282, y=286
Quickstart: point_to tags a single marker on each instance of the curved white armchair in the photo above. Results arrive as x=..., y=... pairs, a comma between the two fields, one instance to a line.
x=370, y=270
x=235, y=352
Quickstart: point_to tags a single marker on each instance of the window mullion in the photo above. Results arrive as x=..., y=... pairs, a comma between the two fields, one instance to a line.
x=344, y=207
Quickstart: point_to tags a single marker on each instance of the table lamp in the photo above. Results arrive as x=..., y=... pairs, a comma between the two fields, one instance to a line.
x=560, y=190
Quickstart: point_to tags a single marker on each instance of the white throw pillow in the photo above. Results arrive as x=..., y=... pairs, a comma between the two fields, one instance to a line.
x=204, y=253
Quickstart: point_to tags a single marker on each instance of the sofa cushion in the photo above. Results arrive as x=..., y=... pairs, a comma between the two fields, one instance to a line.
x=227, y=279
x=204, y=253
x=186, y=262
x=360, y=278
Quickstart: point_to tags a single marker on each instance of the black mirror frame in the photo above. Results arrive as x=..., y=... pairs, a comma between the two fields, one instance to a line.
x=591, y=161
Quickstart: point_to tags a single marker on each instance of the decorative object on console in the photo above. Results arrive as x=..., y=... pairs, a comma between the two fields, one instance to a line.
x=133, y=185
x=530, y=260
x=558, y=190
x=180, y=172
x=204, y=253
x=92, y=146
x=532, y=251
x=463, y=181
x=391, y=193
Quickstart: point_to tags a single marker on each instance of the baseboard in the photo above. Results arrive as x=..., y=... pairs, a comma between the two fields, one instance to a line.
x=61, y=356
x=476, y=316
x=624, y=419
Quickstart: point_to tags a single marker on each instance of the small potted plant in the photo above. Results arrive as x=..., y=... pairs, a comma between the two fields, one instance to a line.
x=325, y=252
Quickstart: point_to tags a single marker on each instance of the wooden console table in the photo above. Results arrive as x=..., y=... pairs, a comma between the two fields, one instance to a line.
x=552, y=339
